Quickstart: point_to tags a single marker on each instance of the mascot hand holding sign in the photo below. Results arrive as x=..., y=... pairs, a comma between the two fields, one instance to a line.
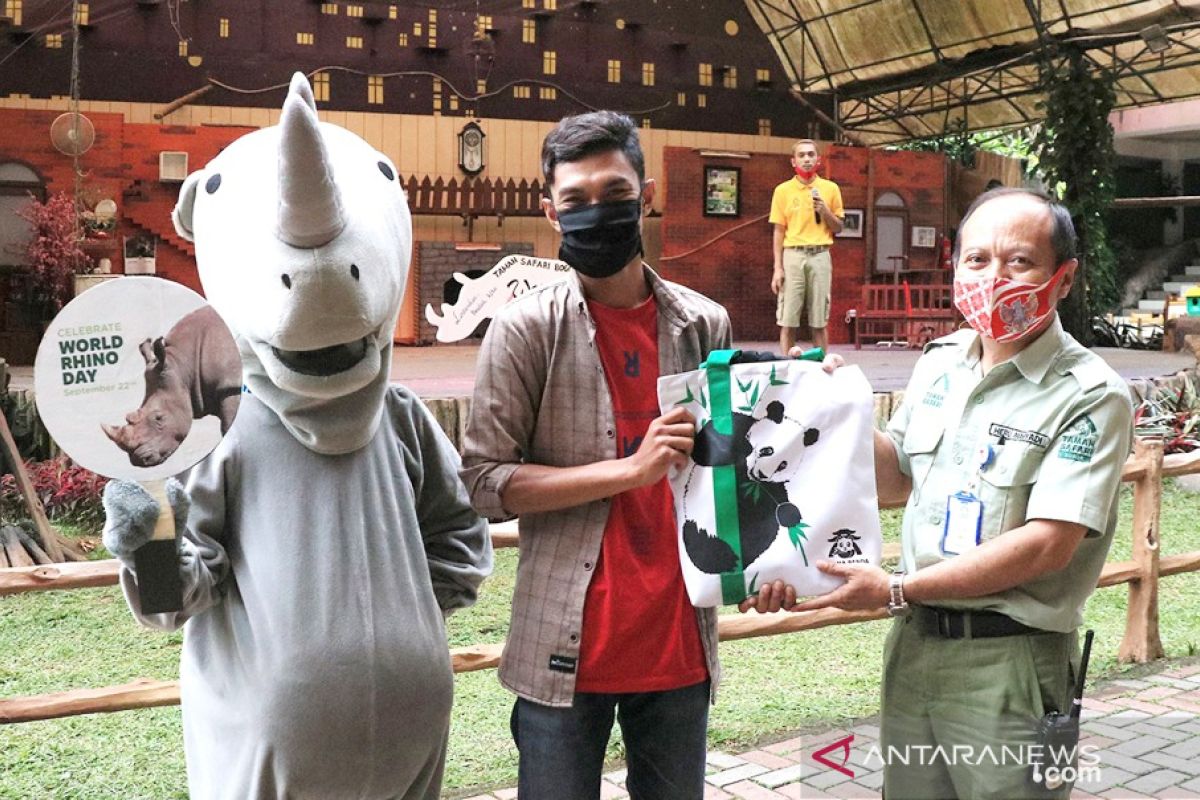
x=328, y=534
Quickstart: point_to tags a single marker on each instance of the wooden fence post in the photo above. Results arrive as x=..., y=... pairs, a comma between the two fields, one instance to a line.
x=1141, y=642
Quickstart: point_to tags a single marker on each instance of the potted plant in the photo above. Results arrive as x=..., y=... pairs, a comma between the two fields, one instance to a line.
x=53, y=256
x=140, y=254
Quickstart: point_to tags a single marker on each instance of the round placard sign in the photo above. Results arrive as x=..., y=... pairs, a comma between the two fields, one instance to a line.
x=137, y=378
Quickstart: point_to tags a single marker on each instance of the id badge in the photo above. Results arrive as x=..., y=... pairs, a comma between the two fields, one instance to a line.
x=964, y=521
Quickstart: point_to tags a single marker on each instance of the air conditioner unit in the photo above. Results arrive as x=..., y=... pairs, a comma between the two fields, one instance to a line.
x=172, y=166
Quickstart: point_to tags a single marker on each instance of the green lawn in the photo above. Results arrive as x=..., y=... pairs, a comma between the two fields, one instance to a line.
x=55, y=641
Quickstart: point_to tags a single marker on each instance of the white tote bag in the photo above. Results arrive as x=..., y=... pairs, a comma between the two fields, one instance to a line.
x=782, y=475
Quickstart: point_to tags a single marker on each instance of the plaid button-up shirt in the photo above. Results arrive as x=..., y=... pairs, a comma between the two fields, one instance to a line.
x=541, y=397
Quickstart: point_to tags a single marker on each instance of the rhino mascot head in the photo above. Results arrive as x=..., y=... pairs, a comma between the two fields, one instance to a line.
x=303, y=239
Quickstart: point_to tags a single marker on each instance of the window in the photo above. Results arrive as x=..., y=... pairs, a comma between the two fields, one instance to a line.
x=764, y=127
x=762, y=75
x=403, y=40
x=17, y=183
x=328, y=8
x=304, y=38
x=480, y=87
x=701, y=101
x=12, y=10
x=392, y=12
x=483, y=23
x=81, y=14
x=528, y=31
x=706, y=74
x=614, y=71
x=647, y=74
x=417, y=29
x=454, y=102
x=354, y=42
x=645, y=122
x=224, y=28
x=547, y=93
x=550, y=5
x=320, y=86
x=54, y=40
x=432, y=32
x=549, y=62
x=183, y=48
x=521, y=92
x=528, y=3
x=681, y=99
x=729, y=80
x=437, y=95
x=354, y=11
x=375, y=89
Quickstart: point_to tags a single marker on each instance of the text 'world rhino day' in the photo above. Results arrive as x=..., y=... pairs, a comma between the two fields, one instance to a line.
x=82, y=353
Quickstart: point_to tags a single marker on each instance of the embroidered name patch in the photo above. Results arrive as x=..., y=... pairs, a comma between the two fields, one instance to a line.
x=563, y=663
x=1014, y=435
x=1079, y=441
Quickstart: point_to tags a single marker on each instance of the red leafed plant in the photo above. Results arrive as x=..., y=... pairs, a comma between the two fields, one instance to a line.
x=53, y=253
x=68, y=491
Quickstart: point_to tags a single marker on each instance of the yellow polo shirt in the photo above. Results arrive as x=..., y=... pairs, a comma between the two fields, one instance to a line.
x=792, y=206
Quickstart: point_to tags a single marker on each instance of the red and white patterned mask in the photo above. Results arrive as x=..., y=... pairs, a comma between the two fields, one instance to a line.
x=1004, y=309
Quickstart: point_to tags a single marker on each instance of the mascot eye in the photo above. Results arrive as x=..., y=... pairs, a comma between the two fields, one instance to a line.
x=387, y=171
x=213, y=183
x=767, y=451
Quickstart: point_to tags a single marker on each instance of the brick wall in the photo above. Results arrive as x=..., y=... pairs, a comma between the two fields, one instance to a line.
x=735, y=270
x=436, y=262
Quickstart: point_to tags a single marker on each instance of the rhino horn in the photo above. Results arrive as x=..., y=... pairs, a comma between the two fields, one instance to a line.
x=116, y=434
x=310, y=206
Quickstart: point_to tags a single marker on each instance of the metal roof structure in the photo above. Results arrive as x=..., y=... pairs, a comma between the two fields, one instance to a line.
x=910, y=69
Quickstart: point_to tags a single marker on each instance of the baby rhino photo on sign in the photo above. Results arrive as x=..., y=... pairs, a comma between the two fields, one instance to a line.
x=138, y=377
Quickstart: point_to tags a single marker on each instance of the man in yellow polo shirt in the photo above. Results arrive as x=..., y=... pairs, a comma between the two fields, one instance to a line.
x=807, y=212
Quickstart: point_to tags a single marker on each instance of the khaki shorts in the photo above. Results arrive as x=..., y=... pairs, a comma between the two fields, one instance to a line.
x=807, y=274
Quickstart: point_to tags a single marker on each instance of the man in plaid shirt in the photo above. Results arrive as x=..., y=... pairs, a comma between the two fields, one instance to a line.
x=565, y=432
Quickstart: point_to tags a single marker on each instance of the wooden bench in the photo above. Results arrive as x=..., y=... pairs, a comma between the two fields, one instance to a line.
x=903, y=314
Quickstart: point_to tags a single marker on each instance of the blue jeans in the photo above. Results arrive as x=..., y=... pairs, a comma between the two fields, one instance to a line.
x=562, y=749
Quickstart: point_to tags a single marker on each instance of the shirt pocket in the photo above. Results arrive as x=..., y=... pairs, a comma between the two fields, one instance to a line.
x=1004, y=490
x=920, y=446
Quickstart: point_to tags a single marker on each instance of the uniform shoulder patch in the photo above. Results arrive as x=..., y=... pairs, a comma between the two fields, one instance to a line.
x=956, y=339
x=1090, y=371
x=1078, y=442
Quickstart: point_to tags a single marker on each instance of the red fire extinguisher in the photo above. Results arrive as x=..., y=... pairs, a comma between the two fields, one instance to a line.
x=946, y=253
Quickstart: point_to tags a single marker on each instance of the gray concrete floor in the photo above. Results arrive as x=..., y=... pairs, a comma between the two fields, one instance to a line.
x=448, y=370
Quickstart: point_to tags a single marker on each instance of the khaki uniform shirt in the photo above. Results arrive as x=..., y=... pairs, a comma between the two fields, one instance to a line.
x=541, y=397
x=1059, y=421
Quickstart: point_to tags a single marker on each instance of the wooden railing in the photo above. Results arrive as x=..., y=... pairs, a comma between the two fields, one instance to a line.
x=474, y=198
x=1145, y=468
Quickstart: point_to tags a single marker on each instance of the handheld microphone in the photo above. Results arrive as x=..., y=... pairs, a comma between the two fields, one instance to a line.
x=816, y=212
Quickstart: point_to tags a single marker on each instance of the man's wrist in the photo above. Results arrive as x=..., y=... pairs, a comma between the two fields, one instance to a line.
x=897, y=603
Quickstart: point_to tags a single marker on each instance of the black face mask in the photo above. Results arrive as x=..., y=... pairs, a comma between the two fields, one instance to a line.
x=599, y=240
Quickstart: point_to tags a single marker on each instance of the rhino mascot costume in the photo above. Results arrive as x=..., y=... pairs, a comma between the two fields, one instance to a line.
x=325, y=539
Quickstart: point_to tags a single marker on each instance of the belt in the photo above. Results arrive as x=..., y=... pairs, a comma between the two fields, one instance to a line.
x=946, y=623
x=810, y=248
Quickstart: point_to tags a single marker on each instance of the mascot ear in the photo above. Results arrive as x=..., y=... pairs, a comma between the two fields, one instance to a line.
x=810, y=437
x=182, y=215
x=775, y=411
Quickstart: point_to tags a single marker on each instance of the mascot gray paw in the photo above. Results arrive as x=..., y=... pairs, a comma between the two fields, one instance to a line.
x=131, y=513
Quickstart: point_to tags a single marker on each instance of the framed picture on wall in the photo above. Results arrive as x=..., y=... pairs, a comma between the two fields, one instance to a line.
x=722, y=194
x=924, y=236
x=852, y=224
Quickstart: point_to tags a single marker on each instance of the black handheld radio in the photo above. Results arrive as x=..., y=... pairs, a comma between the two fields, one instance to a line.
x=1058, y=734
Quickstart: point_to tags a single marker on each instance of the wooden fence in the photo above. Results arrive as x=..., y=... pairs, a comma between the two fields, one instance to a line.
x=471, y=197
x=1145, y=468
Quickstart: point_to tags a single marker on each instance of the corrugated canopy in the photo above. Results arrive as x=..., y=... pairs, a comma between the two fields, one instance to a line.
x=906, y=69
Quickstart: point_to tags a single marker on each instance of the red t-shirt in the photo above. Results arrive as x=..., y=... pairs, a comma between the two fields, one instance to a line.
x=640, y=633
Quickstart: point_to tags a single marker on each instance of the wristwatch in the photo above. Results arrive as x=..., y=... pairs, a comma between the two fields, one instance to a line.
x=897, y=606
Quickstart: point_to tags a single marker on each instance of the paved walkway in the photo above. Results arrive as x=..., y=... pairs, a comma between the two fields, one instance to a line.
x=1144, y=735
